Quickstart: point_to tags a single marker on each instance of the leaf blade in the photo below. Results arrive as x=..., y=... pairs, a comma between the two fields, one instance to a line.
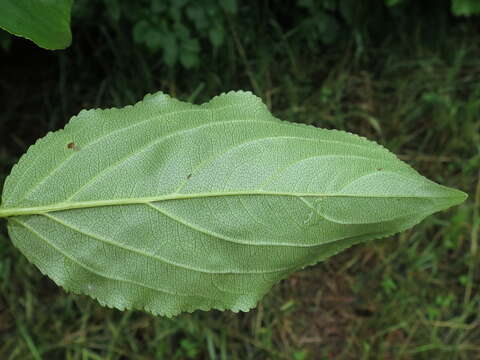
x=46, y=22
x=210, y=204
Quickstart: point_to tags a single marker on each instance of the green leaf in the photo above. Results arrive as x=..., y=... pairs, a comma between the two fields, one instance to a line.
x=392, y=3
x=216, y=36
x=114, y=9
x=230, y=6
x=189, y=59
x=465, y=7
x=168, y=207
x=170, y=48
x=45, y=22
x=140, y=31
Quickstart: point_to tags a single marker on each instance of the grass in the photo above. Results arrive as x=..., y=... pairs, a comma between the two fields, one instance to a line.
x=413, y=296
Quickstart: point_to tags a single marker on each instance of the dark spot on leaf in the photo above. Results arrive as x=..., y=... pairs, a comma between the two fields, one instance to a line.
x=189, y=176
x=379, y=169
x=73, y=146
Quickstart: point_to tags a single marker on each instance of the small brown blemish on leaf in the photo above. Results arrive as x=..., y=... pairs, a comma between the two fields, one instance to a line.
x=72, y=146
x=189, y=176
x=379, y=169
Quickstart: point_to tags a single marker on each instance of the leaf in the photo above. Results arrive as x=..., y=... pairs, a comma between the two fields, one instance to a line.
x=170, y=49
x=465, y=7
x=45, y=22
x=216, y=36
x=230, y=6
x=392, y=3
x=168, y=207
x=189, y=59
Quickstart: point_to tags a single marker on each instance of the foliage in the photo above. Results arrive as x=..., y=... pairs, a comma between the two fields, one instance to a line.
x=342, y=308
x=208, y=205
x=175, y=28
x=465, y=7
x=182, y=29
x=418, y=100
x=46, y=22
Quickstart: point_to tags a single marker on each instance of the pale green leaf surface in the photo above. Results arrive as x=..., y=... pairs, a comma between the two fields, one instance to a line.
x=169, y=207
x=45, y=22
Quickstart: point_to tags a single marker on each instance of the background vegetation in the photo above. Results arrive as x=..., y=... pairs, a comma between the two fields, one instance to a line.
x=402, y=72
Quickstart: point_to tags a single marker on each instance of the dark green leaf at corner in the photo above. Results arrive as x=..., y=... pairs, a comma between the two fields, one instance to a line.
x=45, y=22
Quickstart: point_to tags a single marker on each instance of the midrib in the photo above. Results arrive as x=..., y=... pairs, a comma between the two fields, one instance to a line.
x=62, y=206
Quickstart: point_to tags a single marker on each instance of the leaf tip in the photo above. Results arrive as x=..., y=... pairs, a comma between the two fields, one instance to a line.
x=458, y=196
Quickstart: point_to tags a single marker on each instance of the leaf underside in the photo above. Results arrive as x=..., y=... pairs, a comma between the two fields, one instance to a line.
x=45, y=22
x=167, y=206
